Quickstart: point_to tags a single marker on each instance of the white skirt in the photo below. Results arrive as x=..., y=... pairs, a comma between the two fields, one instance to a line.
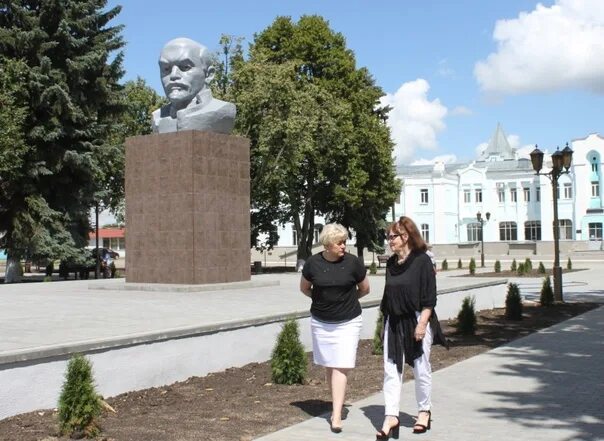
x=335, y=344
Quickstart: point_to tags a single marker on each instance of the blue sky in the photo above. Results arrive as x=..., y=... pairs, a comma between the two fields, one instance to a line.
x=451, y=70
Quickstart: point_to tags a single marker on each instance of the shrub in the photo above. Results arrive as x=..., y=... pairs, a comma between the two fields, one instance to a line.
x=521, y=269
x=444, y=265
x=472, y=266
x=459, y=264
x=514, y=266
x=79, y=404
x=373, y=268
x=49, y=269
x=288, y=360
x=466, y=318
x=569, y=264
x=547, y=294
x=47, y=279
x=528, y=265
x=378, y=342
x=497, y=266
x=541, y=268
x=513, y=303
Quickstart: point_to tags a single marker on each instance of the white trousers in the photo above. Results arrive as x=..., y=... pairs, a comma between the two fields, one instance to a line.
x=393, y=380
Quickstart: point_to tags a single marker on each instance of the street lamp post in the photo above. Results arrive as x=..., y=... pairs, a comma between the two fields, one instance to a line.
x=482, y=221
x=561, y=161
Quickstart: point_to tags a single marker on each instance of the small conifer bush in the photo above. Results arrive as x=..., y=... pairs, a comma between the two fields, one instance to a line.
x=472, y=266
x=521, y=269
x=373, y=268
x=49, y=269
x=569, y=264
x=547, y=293
x=528, y=265
x=79, y=404
x=378, y=343
x=541, y=268
x=288, y=360
x=466, y=318
x=459, y=264
x=444, y=265
x=514, y=266
x=513, y=303
x=497, y=267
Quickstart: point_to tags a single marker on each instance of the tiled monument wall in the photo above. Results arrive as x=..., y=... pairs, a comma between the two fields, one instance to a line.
x=187, y=208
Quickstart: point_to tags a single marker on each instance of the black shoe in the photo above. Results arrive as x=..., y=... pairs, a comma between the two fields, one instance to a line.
x=334, y=429
x=421, y=428
x=393, y=432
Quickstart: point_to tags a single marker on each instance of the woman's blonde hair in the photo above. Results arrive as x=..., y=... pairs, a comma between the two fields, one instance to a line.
x=332, y=233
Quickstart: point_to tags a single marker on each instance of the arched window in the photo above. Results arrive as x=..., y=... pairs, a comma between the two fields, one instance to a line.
x=565, y=228
x=474, y=232
x=532, y=230
x=426, y=232
x=508, y=231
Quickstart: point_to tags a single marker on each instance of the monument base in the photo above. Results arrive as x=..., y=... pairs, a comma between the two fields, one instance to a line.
x=187, y=208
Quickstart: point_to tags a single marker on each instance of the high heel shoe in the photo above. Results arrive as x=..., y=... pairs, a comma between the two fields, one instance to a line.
x=393, y=432
x=423, y=428
x=334, y=429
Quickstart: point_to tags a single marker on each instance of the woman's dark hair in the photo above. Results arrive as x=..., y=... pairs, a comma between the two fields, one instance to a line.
x=405, y=224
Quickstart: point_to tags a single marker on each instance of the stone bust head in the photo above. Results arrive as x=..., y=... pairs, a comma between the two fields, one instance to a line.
x=186, y=72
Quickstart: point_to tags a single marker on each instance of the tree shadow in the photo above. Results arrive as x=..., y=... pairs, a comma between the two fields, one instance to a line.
x=567, y=372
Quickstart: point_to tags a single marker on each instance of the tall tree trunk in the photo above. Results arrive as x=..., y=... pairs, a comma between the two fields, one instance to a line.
x=13, y=272
x=305, y=232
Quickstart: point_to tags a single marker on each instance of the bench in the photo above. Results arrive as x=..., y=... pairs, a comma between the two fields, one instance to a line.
x=382, y=259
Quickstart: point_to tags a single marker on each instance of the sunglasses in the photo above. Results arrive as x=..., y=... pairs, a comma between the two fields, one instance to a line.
x=393, y=236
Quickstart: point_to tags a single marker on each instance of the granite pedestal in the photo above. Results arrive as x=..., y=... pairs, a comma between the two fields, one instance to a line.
x=187, y=208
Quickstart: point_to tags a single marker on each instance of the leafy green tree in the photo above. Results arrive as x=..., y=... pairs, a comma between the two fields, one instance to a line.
x=319, y=141
x=139, y=100
x=69, y=92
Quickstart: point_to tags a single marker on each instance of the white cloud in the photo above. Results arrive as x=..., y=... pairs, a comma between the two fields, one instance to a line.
x=414, y=120
x=445, y=159
x=461, y=111
x=444, y=70
x=547, y=49
x=480, y=148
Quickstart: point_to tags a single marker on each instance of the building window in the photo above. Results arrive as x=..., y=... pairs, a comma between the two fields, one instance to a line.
x=467, y=197
x=538, y=194
x=423, y=195
x=115, y=243
x=532, y=230
x=568, y=191
x=527, y=194
x=513, y=195
x=565, y=229
x=595, y=189
x=595, y=231
x=478, y=196
x=474, y=232
x=501, y=195
x=508, y=231
x=594, y=166
x=426, y=232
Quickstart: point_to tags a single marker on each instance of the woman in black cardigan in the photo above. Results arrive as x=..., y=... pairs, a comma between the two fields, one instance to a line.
x=410, y=324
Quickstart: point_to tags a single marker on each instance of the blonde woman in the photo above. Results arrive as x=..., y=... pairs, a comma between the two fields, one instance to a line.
x=335, y=281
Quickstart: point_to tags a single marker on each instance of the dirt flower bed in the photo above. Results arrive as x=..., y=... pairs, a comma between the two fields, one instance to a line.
x=241, y=403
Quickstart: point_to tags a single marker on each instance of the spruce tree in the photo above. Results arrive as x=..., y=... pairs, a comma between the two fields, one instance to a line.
x=513, y=303
x=377, y=343
x=466, y=318
x=71, y=98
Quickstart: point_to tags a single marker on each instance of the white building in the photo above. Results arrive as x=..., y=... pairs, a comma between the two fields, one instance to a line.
x=444, y=199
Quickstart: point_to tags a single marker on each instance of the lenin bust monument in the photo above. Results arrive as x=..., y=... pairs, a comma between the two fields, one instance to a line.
x=188, y=183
